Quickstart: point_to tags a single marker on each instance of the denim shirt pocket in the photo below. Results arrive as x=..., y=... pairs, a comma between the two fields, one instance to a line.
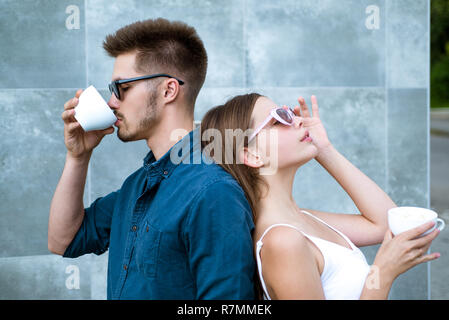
x=147, y=250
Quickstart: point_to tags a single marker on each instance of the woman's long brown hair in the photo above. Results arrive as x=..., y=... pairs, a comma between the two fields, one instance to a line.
x=236, y=114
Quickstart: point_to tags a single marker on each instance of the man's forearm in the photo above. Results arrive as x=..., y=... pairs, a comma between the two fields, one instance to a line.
x=67, y=207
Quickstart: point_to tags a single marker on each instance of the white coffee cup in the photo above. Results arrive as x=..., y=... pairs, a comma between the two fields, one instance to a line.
x=92, y=112
x=401, y=219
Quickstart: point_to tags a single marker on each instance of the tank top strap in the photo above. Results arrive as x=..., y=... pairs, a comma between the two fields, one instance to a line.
x=259, y=247
x=276, y=225
x=336, y=230
x=338, y=265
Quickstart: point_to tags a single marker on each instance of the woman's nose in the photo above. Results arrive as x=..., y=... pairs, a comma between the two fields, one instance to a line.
x=297, y=121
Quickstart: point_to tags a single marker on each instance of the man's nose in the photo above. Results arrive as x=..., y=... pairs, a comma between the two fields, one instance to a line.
x=113, y=102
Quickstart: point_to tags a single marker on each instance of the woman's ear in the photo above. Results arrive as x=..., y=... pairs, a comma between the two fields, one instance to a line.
x=250, y=158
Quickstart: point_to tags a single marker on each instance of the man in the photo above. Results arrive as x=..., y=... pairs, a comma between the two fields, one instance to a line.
x=173, y=230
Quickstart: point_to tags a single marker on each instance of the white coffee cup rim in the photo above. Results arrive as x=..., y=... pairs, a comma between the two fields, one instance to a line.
x=430, y=214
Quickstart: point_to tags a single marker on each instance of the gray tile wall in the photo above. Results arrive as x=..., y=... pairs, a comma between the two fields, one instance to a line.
x=371, y=83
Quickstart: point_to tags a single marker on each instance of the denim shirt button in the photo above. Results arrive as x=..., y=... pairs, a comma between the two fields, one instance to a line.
x=134, y=228
x=165, y=172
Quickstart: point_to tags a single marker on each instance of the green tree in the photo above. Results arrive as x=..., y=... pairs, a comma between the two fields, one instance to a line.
x=439, y=53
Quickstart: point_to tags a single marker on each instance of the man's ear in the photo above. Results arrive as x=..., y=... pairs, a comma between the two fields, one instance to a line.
x=250, y=158
x=170, y=90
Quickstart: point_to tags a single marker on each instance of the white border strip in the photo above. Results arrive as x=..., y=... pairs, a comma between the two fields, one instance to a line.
x=429, y=286
x=86, y=56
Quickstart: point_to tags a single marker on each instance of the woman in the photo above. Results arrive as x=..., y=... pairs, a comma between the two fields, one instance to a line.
x=304, y=253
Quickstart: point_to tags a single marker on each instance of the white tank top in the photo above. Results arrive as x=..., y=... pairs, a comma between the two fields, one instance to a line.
x=344, y=273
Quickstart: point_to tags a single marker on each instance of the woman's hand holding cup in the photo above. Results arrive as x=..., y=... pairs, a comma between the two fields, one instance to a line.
x=399, y=253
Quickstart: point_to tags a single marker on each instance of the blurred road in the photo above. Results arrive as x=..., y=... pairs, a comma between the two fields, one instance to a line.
x=439, y=200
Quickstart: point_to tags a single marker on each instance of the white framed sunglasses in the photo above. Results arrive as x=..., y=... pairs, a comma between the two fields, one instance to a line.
x=284, y=116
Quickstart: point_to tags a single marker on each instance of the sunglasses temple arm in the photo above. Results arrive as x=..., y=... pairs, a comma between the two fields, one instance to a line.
x=260, y=127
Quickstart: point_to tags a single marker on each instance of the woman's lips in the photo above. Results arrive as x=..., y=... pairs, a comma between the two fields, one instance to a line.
x=306, y=137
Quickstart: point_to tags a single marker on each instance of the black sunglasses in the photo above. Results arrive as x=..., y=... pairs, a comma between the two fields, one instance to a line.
x=114, y=85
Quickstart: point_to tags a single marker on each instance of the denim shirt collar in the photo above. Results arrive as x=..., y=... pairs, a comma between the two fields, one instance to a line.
x=188, y=145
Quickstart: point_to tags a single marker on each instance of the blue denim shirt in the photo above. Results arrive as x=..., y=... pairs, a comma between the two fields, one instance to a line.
x=173, y=230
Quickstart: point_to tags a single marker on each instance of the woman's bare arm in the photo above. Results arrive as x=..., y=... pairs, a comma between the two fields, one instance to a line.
x=372, y=202
x=289, y=267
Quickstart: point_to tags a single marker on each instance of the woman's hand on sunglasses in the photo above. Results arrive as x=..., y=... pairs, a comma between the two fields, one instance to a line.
x=312, y=123
x=79, y=143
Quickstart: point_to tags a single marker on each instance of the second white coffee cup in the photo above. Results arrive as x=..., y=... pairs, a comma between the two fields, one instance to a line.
x=401, y=219
x=92, y=112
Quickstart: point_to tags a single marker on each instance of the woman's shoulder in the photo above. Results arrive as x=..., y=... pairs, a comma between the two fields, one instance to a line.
x=279, y=235
x=283, y=241
x=284, y=246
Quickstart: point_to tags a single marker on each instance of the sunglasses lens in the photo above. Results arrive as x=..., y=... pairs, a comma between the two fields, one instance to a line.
x=113, y=89
x=284, y=115
x=110, y=89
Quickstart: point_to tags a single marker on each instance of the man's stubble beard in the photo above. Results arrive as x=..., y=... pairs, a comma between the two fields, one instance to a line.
x=144, y=124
